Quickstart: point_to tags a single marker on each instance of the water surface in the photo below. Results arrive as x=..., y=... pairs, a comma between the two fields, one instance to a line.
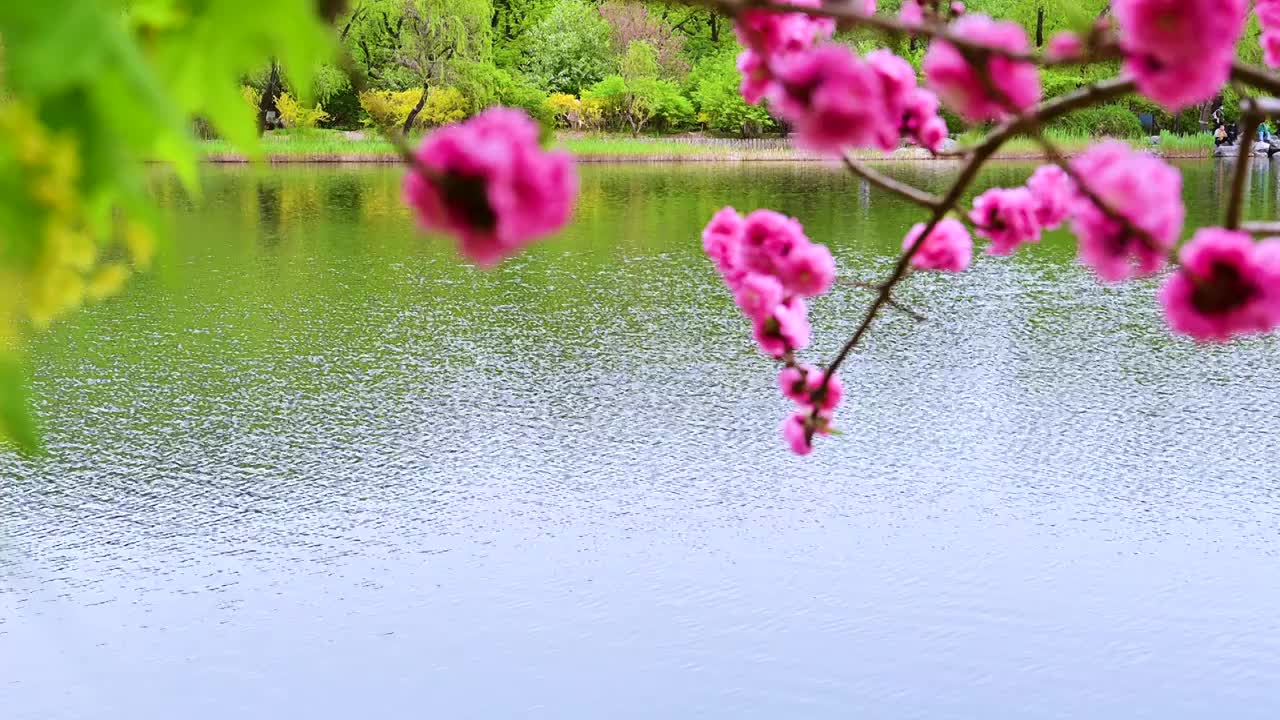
x=320, y=469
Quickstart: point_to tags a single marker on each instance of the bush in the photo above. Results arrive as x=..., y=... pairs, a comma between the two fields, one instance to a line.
x=344, y=110
x=296, y=115
x=530, y=99
x=252, y=96
x=1058, y=83
x=388, y=108
x=1110, y=120
x=565, y=109
x=444, y=105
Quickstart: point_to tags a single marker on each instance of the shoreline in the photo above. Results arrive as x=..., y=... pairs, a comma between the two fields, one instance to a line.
x=220, y=158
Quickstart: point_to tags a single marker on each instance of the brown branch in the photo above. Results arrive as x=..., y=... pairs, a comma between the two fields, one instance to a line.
x=884, y=182
x=893, y=302
x=1234, y=208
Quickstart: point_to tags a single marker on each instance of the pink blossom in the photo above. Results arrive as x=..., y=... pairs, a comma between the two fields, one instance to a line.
x=932, y=134
x=897, y=80
x=920, y=119
x=959, y=84
x=758, y=295
x=958, y=8
x=492, y=185
x=1179, y=51
x=756, y=77
x=808, y=270
x=721, y=237
x=799, y=427
x=832, y=98
x=1176, y=29
x=795, y=430
x=1227, y=286
x=774, y=33
x=948, y=247
x=1054, y=193
x=803, y=385
x=768, y=237
x=1139, y=187
x=1270, y=42
x=1065, y=45
x=1006, y=217
x=868, y=7
x=911, y=14
x=1268, y=12
x=793, y=380
x=786, y=329
x=1181, y=84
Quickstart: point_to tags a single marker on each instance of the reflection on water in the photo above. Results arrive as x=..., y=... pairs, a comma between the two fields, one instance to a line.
x=322, y=470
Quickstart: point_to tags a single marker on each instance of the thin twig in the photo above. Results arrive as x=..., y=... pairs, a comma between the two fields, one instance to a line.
x=884, y=182
x=893, y=302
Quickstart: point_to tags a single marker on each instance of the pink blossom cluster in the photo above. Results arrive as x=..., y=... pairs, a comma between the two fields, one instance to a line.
x=947, y=248
x=832, y=97
x=1005, y=86
x=1227, y=285
x=1268, y=12
x=1142, y=192
x=771, y=268
x=490, y=183
x=1180, y=51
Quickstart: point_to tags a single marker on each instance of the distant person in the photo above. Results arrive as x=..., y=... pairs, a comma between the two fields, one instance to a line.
x=1219, y=117
x=1220, y=135
x=1264, y=133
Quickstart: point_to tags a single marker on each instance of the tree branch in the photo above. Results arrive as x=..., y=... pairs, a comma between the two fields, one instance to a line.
x=1236, y=205
x=884, y=182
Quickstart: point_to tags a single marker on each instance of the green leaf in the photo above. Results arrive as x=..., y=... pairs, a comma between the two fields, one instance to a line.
x=17, y=425
x=51, y=45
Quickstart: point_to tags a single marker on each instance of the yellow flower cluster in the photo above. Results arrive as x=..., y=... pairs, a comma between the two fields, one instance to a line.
x=66, y=267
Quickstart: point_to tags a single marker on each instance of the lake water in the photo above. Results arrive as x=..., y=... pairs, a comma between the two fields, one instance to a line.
x=319, y=469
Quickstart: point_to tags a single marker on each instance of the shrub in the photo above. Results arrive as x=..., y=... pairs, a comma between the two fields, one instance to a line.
x=1110, y=120
x=566, y=109
x=444, y=105
x=388, y=108
x=522, y=95
x=296, y=115
x=252, y=97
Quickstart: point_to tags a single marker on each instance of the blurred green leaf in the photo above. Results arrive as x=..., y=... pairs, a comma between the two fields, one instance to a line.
x=51, y=45
x=17, y=425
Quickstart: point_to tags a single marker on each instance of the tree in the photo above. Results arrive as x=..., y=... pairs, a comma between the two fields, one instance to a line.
x=418, y=43
x=512, y=21
x=569, y=49
x=632, y=22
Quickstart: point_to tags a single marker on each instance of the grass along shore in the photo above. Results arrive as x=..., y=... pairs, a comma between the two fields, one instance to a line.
x=337, y=146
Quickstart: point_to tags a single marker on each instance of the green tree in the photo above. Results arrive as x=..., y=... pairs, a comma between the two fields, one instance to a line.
x=512, y=21
x=715, y=83
x=569, y=49
x=418, y=43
